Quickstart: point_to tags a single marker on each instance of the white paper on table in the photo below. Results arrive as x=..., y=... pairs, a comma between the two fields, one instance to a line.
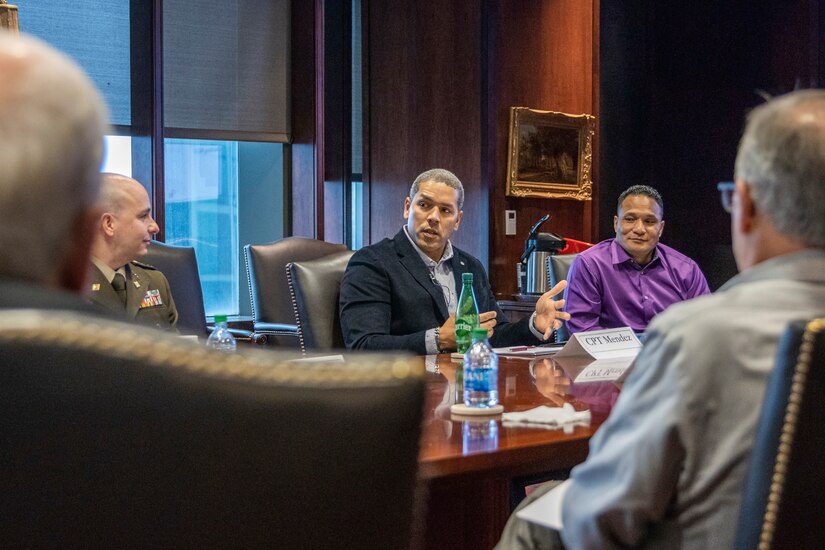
x=529, y=351
x=565, y=428
x=545, y=416
x=546, y=510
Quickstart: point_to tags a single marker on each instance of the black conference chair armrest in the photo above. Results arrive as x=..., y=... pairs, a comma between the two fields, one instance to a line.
x=275, y=328
x=248, y=336
x=243, y=335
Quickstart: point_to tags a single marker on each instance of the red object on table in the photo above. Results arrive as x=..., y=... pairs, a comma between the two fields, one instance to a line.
x=574, y=247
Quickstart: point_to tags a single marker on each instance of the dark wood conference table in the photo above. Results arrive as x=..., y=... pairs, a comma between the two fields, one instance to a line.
x=469, y=466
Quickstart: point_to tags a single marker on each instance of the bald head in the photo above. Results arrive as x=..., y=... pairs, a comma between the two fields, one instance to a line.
x=116, y=190
x=52, y=121
x=126, y=227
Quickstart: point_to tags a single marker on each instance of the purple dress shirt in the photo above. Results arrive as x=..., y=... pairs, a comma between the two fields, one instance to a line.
x=606, y=288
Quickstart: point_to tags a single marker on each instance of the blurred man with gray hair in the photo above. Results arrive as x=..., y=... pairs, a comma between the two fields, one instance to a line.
x=666, y=469
x=52, y=121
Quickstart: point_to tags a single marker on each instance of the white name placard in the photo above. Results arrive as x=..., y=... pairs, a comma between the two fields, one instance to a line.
x=602, y=344
x=607, y=354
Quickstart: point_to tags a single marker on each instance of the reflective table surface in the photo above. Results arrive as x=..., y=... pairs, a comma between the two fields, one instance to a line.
x=451, y=444
x=471, y=468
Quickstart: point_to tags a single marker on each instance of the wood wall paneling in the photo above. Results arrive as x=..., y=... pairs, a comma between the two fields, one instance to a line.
x=335, y=150
x=302, y=214
x=424, y=89
x=674, y=85
x=677, y=83
x=542, y=55
x=320, y=150
x=441, y=79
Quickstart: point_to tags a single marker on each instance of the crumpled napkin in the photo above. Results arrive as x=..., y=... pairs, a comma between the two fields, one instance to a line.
x=550, y=418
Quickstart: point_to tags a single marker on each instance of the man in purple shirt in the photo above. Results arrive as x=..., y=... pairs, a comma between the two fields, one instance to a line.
x=628, y=280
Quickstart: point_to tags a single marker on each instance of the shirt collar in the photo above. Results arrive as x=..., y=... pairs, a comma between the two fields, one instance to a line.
x=107, y=271
x=619, y=255
x=448, y=251
x=804, y=265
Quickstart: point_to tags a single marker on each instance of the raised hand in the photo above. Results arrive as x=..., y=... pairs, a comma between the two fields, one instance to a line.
x=548, y=310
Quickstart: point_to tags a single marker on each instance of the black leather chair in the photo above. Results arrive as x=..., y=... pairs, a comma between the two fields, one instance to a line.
x=785, y=480
x=314, y=289
x=557, y=268
x=180, y=266
x=115, y=436
x=268, y=291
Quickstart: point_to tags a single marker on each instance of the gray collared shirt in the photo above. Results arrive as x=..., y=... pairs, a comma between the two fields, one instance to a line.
x=666, y=469
x=441, y=274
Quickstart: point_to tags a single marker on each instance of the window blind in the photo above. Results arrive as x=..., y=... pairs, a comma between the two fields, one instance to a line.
x=226, y=69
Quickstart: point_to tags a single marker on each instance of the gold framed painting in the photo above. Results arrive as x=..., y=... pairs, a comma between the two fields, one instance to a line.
x=550, y=154
x=8, y=17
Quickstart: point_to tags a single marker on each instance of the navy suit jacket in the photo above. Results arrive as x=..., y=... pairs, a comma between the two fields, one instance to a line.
x=388, y=300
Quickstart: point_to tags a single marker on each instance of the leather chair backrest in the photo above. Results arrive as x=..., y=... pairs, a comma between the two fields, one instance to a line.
x=180, y=266
x=314, y=287
x=558, y=267
x=784, y=480
x=266, y=270
x=117, y=436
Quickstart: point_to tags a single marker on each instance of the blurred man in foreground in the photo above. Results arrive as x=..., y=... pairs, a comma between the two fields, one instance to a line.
x=52, y=121
x=666, y=468
x=120, y=284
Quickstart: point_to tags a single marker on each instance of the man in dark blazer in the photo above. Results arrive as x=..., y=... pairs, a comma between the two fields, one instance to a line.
x=401, y=293
x=119, y=283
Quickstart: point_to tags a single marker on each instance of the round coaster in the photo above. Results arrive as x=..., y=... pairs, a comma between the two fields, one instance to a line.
x=464, y=410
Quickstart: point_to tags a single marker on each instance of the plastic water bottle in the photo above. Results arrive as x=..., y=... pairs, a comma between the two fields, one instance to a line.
x=480, y=372
x=466, y=315
x=221, y=339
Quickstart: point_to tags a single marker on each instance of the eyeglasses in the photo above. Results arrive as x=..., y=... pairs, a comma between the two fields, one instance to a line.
x=726, y=189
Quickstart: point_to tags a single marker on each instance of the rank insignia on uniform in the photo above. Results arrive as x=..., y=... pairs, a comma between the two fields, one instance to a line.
x=151, y=299
x=95, y=287
x=136, y=283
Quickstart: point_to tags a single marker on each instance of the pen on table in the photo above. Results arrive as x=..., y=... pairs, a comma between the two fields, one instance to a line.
x=520, y=348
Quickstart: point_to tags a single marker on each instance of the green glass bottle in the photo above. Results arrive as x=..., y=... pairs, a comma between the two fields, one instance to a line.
x=466, y=315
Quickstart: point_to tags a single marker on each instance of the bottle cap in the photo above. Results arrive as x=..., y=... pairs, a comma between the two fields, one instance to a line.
x=220, y=318
x=467, y=277
x=478, y=334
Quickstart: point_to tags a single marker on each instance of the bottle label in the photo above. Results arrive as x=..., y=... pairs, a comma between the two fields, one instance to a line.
x=462, y=334
x=464, y=325
x=478, y=380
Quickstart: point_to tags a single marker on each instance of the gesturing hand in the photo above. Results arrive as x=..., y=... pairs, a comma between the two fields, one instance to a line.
x=548, y=310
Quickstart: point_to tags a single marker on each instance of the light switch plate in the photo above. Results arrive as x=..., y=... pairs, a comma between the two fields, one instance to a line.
x=509, y=222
